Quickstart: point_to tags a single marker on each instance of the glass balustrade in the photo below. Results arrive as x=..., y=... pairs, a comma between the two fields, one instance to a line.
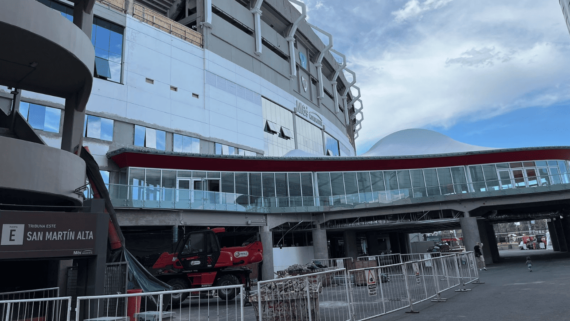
x=171, y=198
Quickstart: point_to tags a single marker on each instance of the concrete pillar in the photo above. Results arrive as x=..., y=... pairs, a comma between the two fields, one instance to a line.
x=562, y=244
x=350, y=245
x=320, y=243
x=553, y=236
x=373, y=245
x=73, y=121
x=470, y=232
x=492, y=243
x=267, y=269
x=486, y=239
x=565, y=223
x=83, y=16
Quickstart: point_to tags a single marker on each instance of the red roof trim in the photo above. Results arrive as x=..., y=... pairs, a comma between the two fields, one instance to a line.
x=134, y=159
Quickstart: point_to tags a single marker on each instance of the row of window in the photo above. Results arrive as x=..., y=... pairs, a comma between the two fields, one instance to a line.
x=41, y=117
x=222, y=149
x=298, y=189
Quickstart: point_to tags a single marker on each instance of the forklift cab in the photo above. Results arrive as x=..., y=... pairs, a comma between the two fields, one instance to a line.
x=198, y=250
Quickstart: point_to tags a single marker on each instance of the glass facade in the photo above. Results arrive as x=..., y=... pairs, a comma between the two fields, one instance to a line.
x=332, y=145
x=97, y=127
x=309, y=137
x=149, y=137
x=277, y=137
x=186, y=144
x=229, y=190
x=41, y=117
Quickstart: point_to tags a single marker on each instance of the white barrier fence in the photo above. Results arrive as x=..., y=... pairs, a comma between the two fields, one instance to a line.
x=30, y=294
x=315, y=296
x=337, y=263
x=44, y=309
x=337, y=293
x=213, y=303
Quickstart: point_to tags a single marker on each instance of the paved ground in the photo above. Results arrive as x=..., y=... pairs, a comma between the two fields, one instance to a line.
x=510, y=292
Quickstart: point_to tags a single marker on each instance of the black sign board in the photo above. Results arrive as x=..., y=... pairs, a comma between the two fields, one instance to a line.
x=48, y=234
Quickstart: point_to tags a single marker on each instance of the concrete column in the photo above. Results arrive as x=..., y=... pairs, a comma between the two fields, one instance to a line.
x=470, y=232
x=562, y=244
x=350, y=245
x=486, y=239
x=320, y=243
x=553, y=236
x=267, y=270
x=565, y=223
x=373, y=246
x=492, y=246
x=73, y=121
x=83, y=17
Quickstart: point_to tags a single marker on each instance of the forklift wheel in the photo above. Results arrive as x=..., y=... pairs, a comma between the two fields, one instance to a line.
x=178, y=284
x=225, y=280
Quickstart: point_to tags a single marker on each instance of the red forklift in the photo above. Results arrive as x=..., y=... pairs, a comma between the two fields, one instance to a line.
x=198, y=262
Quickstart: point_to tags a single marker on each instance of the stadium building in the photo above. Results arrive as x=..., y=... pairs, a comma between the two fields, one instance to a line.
x=237, y=113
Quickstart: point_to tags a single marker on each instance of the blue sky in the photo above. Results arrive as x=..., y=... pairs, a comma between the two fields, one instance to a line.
x=493, y=73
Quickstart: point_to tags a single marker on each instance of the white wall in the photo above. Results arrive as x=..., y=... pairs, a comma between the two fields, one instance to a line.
x=169, y=61
x=287, y=256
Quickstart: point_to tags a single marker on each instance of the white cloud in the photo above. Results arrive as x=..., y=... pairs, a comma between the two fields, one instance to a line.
x=464, y=63
x=414, y=8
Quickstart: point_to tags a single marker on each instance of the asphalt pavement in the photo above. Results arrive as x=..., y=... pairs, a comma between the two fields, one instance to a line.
x=510, y=292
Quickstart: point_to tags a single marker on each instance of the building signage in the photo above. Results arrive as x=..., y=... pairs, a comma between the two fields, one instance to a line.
x=47, y=234
x=303, y=110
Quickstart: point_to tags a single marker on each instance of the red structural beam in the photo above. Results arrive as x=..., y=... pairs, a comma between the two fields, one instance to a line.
x=261, y=164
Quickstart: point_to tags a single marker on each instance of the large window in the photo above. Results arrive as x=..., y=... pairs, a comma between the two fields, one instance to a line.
x=309, y=136
x=151, y=138
x=41, y=117
x=97, y=127
x=185, y=144
x=332, y=146
x=107, y=38
x=278, y=138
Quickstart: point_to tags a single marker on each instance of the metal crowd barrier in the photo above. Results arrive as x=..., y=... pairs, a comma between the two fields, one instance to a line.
x=384, y=259
x=31, y=294
x=44, y=309
x=337, y=263
x=312, y=297
x=212, y=303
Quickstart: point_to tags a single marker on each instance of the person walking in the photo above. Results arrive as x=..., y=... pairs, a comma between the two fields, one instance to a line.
x=529, y=263
x=478, y=249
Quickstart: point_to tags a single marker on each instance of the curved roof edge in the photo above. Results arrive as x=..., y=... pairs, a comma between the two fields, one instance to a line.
x=122, y=150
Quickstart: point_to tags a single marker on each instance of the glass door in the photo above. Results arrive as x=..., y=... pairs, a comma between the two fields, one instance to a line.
x=211, y=189
x=519, y=178
x=183, y=189
x=531, y=177
x=505, y=179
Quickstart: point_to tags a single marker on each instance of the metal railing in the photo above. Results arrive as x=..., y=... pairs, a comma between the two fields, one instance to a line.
x=172, y=198
x=212, y=303
x=336, y=263
x=46, y=309
x=383, y=259
x=316, y=296
x=163, y=23
x=31, y=294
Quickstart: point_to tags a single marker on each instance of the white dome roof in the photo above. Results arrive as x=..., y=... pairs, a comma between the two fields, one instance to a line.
x=300, y=153
x=419, y=142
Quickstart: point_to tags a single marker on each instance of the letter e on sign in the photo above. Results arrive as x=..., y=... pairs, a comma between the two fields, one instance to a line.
x=12, y=234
